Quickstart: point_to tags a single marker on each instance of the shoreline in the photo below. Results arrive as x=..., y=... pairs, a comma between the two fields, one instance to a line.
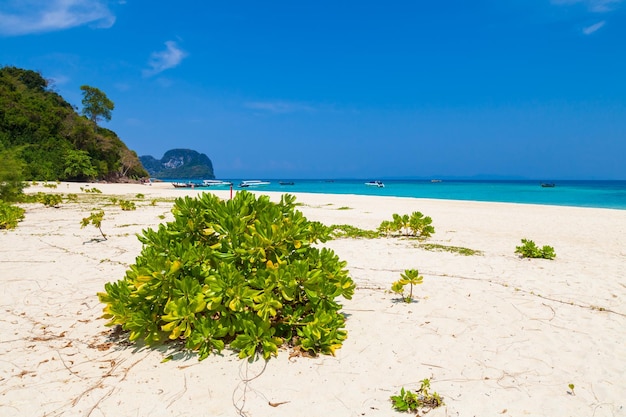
x=496, y=334
x=166, y=190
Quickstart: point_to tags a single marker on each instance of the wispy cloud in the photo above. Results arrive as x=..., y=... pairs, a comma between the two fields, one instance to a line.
x=593, y=28
x=22, y=17
x=596, y=6
x=171, y=57
x=278, y=106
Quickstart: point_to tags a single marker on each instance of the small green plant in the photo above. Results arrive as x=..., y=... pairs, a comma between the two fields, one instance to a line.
x=50, y=185
x=127, y=205
x=571, y=389
x=528, y=249
x=72, y=198
x=92, y=190
x=140, y=196
x=421, y=399
x=113, y=200
x=153, y=202
x=95, y=218
x=344, y=208
x=409, y=277
x=50, y=200
x=10, y=215
x=416, y=225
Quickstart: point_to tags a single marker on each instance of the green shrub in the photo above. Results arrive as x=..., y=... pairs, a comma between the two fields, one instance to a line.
x=127, y=205
x=528, y=249
x=50, y=200
x=414, y=225
x=140, y=196
x=243, y=272
x=10, y=215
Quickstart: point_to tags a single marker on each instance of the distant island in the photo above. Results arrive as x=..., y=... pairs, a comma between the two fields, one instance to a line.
x=179, y=164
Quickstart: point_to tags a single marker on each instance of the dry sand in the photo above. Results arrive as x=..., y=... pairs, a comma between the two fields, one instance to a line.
x=496, y=334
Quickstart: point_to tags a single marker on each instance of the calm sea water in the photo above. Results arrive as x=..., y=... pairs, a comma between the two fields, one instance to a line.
x=600, y=194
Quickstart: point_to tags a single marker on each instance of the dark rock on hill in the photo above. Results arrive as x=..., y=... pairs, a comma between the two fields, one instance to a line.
x=179, y=164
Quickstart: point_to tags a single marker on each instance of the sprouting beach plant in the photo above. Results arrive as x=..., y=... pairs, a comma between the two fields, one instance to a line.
x=244, y=272
x=409, y=277
x=92, y=190
x=95, y=218
x=571, y=389
x=416, y=225
x=10, y=215
x=421, y=399
x=127, y=205
x=529, y=249
x=50, y=200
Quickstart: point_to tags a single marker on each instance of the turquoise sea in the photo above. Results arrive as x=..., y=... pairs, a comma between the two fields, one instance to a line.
x=599, y=194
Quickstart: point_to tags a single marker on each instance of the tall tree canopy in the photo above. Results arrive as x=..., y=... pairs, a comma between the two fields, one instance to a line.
x=96, y=105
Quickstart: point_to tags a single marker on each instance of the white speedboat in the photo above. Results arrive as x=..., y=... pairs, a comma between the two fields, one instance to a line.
x=253, y=183
x=378, y=184
x=216, y=183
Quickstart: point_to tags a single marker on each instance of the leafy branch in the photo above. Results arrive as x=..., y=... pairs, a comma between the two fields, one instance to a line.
x=95, y=218
x=409, y=277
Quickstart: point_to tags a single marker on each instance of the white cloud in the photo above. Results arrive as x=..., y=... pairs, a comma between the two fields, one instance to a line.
x=593, y=28
x=169, y=58
x=278, y=106
x=22, y=17
x=596, y=6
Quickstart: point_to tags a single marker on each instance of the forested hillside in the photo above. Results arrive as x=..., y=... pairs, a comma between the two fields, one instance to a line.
x=49, y=140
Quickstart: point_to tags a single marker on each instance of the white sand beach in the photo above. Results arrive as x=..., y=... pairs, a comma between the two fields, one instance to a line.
x=496, y=335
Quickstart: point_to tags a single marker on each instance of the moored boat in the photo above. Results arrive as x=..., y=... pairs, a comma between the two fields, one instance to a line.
x=378, y=184
x=216, y=183
x=252, y=183
x=183, y=184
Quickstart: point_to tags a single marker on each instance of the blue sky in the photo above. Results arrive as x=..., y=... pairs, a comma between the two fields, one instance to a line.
x=346, y=89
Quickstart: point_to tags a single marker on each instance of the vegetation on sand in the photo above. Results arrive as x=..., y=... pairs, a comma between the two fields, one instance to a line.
x=409, y=277
x=529, y=249
x=415, y=225
x=244, y=272
x=95, y=218
x=421, y=399
x=10, y=215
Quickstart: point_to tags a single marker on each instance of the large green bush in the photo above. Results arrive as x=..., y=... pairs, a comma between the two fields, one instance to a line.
x=243, y=272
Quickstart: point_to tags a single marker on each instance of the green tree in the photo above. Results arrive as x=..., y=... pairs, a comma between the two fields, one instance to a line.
x=11, y=175
x=96, y=105
x=78, y=165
